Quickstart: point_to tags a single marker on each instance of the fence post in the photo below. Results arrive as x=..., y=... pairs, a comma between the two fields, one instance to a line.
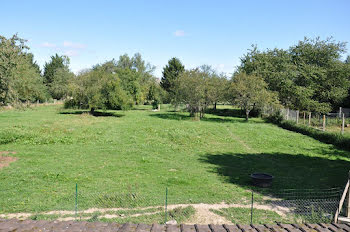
x=251, y=209
x=340, y=112
x=166, y=206
x=309, y=118
x=324, y=123
x=343, y=124
x=76, y=201
x=297, y=118
x=348, y=211
x=287, y=116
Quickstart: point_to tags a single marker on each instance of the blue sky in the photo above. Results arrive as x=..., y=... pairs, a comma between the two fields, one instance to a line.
x=217, y=33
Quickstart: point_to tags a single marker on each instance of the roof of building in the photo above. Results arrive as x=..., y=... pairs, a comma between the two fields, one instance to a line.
x=32, y=225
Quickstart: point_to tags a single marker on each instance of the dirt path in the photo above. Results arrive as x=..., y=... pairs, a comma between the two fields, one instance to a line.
x=6, y=160
x=203, y=213
x=235, y=137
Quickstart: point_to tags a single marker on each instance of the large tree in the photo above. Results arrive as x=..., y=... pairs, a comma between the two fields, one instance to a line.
x=56, y=62
x=215, y=85
x=96, y=89
x=189, y=89
x=307, y=76
x=59, y=86
x=249, y=92
x=20, y=79
x=170, y=73
x=136, y=75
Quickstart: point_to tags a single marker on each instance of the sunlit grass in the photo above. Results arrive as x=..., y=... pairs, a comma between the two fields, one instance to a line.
x=127, y=159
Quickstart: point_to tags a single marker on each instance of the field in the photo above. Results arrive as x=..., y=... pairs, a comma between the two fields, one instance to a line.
x=126, y=159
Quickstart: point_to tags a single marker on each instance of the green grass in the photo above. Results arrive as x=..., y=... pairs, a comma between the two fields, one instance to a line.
x=127, y=159
x=243, y=216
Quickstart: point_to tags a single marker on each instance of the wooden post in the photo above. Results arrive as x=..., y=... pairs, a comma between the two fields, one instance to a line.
x=324, y=123
x=348, y=206
x=342, y=199
x=340, y=111
x=343, y=124
x=304, y=117
x=309, y=118
x=287, y=116
x=297, y=119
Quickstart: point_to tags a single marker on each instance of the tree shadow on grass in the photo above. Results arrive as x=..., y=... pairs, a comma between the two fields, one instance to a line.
x=226, y=112
x=171, y=116
x=95, y=114
x=290, y=171
x=180, y=117
x=303, y=186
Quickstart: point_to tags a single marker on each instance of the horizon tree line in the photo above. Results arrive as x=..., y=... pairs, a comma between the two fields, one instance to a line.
x=309, y=76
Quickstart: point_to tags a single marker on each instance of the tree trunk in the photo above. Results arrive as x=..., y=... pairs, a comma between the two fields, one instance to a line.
x=92, y=111
x=247, y=114
x=214, y=105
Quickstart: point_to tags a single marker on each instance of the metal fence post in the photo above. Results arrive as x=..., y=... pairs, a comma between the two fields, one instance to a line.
x=251, y=208
x=76, y=201
x=166, y=206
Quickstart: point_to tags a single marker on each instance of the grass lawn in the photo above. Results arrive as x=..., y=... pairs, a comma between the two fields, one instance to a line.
x=127, y=159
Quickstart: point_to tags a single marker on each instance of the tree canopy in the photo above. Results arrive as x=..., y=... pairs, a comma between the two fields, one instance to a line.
x=20, y=79
x=308, y=76
x=96, y=89
x=198, y=89
x=249, y=92
x=170, y=73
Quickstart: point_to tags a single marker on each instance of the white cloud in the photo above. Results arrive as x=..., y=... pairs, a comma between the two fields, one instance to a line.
x=69, y=44
x=71, y=53
x=179, y=33
x=48, y=45
x=220, y=66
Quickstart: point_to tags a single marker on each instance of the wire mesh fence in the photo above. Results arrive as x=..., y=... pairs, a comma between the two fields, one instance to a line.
x=284, y=206
x=306, y=205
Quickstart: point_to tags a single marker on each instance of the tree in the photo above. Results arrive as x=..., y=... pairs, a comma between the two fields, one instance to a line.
x=170, y=73
x=59, y=86
x=50, y=68
x=135, y=74
x=155, y=95
x=96, y=89
x=215, y=85
x=321, y=70
x=307, y=76
x=249, y=92
x=20, y=79
x=189, y=89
